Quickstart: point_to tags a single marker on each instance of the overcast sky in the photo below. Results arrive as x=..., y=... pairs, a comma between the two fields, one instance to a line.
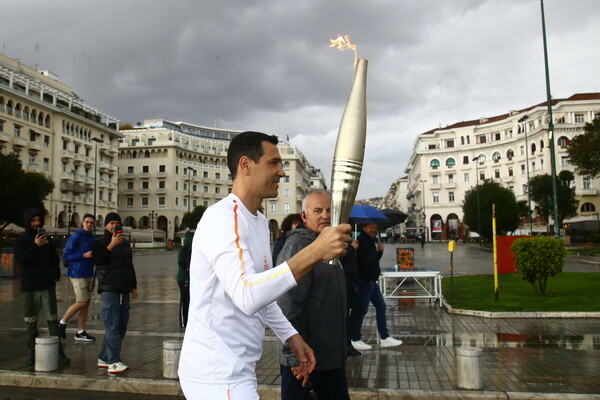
x=266, y=64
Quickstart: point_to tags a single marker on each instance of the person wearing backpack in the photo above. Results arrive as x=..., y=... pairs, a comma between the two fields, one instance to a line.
x=77, y=255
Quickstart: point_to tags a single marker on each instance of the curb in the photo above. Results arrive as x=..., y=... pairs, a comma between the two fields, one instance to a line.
x=266, y=392
x=532, y=314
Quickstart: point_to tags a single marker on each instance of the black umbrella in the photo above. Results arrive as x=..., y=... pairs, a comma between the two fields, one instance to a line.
x=395, y=217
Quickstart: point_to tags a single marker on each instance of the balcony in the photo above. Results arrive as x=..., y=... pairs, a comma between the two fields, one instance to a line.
x=67, y=154
x=5, y=137
x=450, y=185
x=588, y=192
x=19, y=141
x=34, y=146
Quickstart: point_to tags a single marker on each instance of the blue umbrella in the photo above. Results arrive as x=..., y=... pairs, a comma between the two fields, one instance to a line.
x=364, y=214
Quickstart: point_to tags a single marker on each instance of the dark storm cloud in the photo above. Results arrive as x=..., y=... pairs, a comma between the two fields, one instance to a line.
x=266, y=64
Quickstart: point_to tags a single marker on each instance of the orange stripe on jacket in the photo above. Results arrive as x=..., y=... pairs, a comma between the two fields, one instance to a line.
x=241, y=255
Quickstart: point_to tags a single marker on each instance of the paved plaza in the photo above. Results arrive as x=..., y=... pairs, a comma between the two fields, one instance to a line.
x=522, y=357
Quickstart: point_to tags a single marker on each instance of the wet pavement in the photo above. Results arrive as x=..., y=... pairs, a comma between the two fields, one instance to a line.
x=523, y=357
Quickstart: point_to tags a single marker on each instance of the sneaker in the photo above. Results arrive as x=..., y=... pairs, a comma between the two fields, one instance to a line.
x=352, y=352
x=390, y=342
x=84, y=337
x=102, y=363
x=62, y=330
x=117, y=368
x=31, y=359
x=62, y=358
x=360, y=345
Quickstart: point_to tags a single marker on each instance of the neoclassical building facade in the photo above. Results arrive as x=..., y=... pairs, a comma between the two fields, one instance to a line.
x=510, y=149
x=54, y=132
x=168, y=168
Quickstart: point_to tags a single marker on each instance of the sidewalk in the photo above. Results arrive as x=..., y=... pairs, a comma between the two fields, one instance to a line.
x=548, y=358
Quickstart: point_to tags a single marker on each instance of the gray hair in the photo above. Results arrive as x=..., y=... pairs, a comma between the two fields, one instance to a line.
x=313, y=191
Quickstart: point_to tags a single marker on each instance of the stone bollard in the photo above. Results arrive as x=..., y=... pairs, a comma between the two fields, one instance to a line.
x=469, y=368
x=46, y=353
x=171, y=352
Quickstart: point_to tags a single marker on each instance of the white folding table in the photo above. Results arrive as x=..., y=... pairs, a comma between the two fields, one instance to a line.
x=427, y=284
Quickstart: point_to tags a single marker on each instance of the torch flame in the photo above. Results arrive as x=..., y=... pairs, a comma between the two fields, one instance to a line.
x=343, y=43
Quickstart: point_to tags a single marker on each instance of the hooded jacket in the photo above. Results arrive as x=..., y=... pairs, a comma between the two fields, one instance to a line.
x=114, y=268
x=40, y=266
x=367, y=258
x=78, y=243
x=316, y=307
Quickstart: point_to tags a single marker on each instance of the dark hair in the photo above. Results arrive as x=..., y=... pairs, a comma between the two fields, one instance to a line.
x=87, y=215
x=247, y=144
x=290, y=220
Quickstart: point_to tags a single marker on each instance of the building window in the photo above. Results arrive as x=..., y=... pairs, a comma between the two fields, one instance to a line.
x=435, y=179
x=587, y=182
x=46, y=140
x=162, y=184
x=451, y=178
x=217, y=190
x=130, y=170
x=563, y=141
x=145, y=169
x=482, y=176
x=564, y=161
x=194, y=188
x=451, y=197
x=1, y=125
x=436, y=197
x=130, y=202
x=467, y=177
x=497, y=173
x=496, y=157
x=523, y=171
x=46, y=164
x=145, y=185
x=286, y=179
x=434, y=163
x=522, y=150
x=578, y=117
x=205, y=189
x=286, y=192
x=205, y=203
x=161, y=201
x=510, y=154
x=129, y=185
x=465, y=159
x=194, y=203
x=176, y=201
x=17, y=131
x=286, y=208
x=162, y=168
x=286, y=166
x=450, y=162
x=450, y=143
x=218, y=176
x=510, y=171
x=524, y=188
x=588, y=207
x=205, y=174
x=272, y=207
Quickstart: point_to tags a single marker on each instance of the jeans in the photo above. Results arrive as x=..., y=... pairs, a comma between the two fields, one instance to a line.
x=330, y=384
x=184, y=303
x=33, y=303
x=370, y=292
x=115, y=315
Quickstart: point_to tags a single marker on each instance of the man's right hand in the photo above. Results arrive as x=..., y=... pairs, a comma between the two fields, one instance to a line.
x=115, y=240
x=332, y=242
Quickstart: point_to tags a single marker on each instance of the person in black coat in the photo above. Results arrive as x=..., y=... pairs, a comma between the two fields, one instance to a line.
x=116, y=281
x=40, y=270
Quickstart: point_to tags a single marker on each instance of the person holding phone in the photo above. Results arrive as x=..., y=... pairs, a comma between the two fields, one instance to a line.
x=116, y=282
x=40, y=270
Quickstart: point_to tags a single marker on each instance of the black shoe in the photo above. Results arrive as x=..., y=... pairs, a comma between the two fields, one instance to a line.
x=84, y=337
x=352, y=352
x=31, y=359
x=62, y=358
x=62, y=330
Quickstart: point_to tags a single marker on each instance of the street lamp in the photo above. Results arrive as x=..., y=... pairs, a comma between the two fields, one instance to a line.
x=476, y=159
x=550, y=127
x=152, y=214
x=523, y=119
x=96, y=176
x=69, y=209
x=424, y=214
x=190, y=186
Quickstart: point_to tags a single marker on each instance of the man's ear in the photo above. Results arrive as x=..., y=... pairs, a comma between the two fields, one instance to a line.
x=303, y=217
x=244, y=165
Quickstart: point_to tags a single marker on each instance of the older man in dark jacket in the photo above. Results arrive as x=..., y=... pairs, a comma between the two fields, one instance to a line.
x=40, y=270
x=317, y=309
x=116, y=280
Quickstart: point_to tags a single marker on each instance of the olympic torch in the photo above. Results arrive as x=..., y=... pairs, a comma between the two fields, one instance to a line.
x=349, y=148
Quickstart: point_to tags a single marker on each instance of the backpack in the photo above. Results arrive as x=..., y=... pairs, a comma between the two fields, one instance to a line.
x=66, y=263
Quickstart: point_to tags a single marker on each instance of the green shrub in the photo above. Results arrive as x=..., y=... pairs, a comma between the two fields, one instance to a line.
x=539, y=259
x=595, y=238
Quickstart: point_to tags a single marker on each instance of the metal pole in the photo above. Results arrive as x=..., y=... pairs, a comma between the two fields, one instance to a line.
x=527, y=165
x=550, y=127
x=476, y=159
x=96, y=179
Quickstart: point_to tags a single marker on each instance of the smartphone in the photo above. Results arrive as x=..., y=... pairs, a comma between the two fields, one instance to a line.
x=41, y=231
x=118, y=230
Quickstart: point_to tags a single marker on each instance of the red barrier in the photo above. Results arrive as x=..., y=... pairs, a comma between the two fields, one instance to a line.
x=506, y=257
